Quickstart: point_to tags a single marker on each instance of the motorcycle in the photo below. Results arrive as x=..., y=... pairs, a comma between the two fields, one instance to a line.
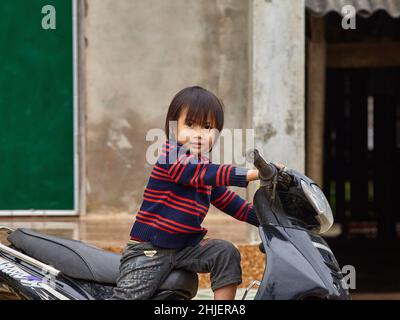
x=292, y=211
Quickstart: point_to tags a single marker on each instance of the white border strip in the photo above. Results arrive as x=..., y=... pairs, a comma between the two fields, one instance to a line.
x=75, y=211
x=36, y=213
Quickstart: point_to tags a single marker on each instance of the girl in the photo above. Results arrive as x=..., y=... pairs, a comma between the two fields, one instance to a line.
x=167, y=233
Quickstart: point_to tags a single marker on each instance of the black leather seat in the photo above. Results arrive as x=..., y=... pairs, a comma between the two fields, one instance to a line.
x=79, y=260
x=73, y=258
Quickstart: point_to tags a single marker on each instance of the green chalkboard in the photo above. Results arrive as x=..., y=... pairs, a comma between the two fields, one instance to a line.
x=36, y=107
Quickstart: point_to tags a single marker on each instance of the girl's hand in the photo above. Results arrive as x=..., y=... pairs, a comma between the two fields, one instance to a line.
x=279, y=165
x=253, y=173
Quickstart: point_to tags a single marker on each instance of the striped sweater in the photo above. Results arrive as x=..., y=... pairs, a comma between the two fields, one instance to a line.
x=178, y=195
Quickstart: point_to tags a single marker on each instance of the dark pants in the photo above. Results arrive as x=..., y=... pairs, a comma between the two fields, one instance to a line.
x=144, y=267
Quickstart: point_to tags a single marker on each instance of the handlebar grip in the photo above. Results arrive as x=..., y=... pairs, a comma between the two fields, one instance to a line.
x=266, y=170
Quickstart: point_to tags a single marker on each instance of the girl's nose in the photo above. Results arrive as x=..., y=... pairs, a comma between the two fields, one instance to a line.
x=198, y=132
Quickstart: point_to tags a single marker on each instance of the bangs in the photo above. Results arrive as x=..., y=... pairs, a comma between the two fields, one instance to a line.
x=202, y=114
x=202, y=107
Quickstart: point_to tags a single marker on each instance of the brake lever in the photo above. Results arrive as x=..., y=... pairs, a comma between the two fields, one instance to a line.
x=284, y=178
x=274, y=183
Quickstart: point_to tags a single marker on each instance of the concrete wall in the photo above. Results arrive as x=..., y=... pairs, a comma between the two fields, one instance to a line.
x=138, y=55
x=277, y=81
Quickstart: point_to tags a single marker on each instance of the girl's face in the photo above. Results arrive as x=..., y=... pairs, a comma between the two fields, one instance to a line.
x=197, y=138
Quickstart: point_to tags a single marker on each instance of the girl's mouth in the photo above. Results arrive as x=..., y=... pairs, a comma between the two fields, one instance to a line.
x=196, y=145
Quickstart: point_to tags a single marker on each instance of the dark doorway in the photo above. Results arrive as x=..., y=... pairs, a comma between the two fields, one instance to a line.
x=361, y=172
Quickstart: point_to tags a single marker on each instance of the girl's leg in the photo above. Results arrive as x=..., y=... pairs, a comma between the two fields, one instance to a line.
x=226, y=293
x=141, y=274
x=219, y=257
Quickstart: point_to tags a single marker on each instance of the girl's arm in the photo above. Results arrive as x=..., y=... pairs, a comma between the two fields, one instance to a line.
x=187, y=171
x=232, y=204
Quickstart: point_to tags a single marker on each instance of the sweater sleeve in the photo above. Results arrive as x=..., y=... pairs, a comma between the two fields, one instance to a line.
x=232, y=204
x=188, y=170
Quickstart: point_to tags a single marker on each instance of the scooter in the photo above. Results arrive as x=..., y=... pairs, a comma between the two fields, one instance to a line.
x=292, y=211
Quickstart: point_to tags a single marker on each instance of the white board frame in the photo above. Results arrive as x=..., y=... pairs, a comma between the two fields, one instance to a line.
x=75, y=210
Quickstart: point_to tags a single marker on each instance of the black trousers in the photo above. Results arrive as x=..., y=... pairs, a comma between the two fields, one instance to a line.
x=144, y=267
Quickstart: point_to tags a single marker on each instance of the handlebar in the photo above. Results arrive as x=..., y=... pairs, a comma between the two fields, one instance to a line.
x=266, y=170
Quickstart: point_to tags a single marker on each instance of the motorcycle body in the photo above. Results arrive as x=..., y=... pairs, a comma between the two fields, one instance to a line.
x=300, y=263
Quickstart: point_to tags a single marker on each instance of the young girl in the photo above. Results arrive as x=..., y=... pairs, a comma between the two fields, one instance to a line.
x=167, y=233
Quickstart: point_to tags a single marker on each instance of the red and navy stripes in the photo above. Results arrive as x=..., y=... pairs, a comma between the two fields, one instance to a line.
x=173, y=200
x=169, y=225
x=231, y=203
x=178, y=195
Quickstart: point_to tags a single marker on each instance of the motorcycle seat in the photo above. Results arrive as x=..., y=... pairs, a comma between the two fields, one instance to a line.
x=79, y=260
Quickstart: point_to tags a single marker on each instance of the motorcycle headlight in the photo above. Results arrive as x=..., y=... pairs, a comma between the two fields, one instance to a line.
x=320, y=204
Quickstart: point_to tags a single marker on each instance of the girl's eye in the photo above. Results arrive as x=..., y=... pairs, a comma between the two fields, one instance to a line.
x=207, y=126
x=189, y=124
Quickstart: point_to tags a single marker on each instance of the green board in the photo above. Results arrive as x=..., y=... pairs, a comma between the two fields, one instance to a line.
x=36, y=107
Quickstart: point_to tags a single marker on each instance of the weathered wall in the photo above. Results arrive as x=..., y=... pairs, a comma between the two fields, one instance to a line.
x=277, y=78
x=138, y=55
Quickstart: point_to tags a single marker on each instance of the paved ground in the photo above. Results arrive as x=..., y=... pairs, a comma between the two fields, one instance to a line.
x=207, y=294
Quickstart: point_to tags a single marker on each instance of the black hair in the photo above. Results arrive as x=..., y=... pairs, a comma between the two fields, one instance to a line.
x=200, y=103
